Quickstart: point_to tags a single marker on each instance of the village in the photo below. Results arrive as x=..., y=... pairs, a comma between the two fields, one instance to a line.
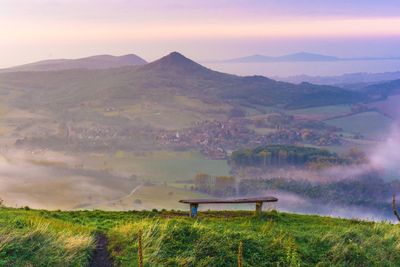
x=218, y=139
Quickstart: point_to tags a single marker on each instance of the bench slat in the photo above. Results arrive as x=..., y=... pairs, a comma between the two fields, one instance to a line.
x=229, y=201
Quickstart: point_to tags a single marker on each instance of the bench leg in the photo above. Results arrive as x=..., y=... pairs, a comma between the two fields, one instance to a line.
x=258, y=208
x=193, y=210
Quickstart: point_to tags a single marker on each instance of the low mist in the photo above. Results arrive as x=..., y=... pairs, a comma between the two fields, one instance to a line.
x=49, y=180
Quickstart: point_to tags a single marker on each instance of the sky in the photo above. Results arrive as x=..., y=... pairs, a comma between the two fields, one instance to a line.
x=33, y=30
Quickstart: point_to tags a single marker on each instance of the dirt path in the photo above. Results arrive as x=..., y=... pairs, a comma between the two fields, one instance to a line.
x=100, y=256
x=129, y=195
x=111, y=201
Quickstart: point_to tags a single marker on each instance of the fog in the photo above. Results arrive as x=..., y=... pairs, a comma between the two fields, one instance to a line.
x=285, y=69
x=53, y=180
x=289, y=202
x=47, y=180
x=382, y=159
x=387, y=155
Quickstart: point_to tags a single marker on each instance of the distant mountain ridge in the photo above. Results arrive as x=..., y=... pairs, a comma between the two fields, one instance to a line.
x=298, y=57
x=92, y=62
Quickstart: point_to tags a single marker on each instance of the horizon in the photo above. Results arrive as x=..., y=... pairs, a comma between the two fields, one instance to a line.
x=216, y=60
x=279, y=69
x=205, y=30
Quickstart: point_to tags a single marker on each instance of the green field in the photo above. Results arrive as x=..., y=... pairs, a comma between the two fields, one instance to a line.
x=46, y=238
x=158, y=166
x=326, y=111
x=369, y=124
x=58, y=180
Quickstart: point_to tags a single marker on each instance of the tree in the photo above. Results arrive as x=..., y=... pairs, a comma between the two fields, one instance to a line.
x=282, y=156
x=225, y=185
x=356, y=155
x=202, y=182
x=264, y=154
x=248, y=153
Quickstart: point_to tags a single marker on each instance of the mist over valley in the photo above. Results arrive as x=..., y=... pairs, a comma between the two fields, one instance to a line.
x=112, y=136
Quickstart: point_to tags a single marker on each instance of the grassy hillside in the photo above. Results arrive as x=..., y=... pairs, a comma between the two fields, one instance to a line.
x=54, y=238
x=93, y=62
x=31, y=239
x=172, y=75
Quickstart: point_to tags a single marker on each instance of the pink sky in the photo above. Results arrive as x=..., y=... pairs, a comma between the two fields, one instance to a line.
x=33, y=29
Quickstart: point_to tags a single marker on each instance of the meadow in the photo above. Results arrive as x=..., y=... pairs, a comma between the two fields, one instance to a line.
x=170, y=238
x=369, y=124
x=158, y=166
x=58, y=180
x=320, y=113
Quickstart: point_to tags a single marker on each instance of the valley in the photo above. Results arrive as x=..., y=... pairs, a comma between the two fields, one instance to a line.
x=153, y=127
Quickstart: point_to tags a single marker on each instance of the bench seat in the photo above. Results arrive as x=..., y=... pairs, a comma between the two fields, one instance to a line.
x=194, y=203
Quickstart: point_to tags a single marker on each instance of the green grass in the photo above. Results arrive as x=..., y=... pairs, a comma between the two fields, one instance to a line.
x=54, y=238
x=27, y=239
x=370, y=124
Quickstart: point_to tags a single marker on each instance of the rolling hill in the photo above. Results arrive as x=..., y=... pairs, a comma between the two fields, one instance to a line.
x=169, y=76
x=93, y=62
x=383, y=89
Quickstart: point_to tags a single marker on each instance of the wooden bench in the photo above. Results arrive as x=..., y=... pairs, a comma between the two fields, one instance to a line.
x=194, y=203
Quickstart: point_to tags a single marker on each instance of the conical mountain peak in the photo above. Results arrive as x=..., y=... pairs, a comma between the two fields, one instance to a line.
x=177, y=62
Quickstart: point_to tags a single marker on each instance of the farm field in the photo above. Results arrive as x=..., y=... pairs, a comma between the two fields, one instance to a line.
x=57, y=238
x=73, y=181
x=160, y=166
x=369, y=124
x=320, y=113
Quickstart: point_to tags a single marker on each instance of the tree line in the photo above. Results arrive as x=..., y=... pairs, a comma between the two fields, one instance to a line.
x=215, y=185
x=279, y=155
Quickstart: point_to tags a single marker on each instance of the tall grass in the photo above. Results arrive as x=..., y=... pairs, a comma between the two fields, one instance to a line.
x=44, y=238
x=289, y=240
x=35, y=241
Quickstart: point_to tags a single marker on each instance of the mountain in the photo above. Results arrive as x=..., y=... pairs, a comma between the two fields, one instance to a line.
x=93, y=62
x=296, y=57
x=174, y=60
x=303, y=56
x=300, y=57
x=345, y=79
x=172, y=75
